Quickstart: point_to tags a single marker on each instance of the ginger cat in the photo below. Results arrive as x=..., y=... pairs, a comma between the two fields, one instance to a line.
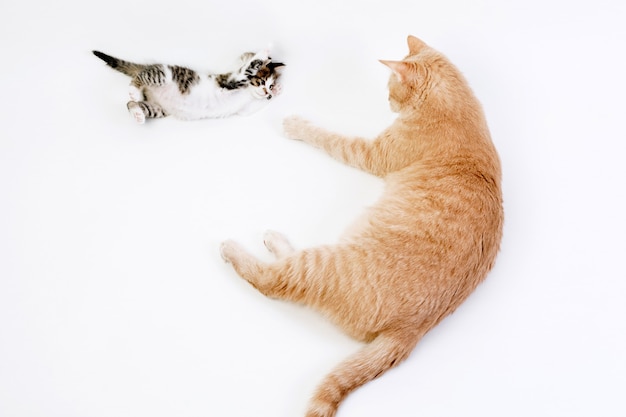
x=422, y=249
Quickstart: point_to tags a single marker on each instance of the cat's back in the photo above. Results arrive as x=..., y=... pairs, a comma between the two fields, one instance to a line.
x=441, y=212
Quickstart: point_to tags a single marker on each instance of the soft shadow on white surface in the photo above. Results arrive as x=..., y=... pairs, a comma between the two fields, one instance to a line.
x=114, y=300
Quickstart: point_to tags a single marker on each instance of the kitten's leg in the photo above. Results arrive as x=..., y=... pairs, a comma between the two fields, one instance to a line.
x=245, y=57
x=142, y=110
x=136, y=111
x=135, y=93
x=253, y=68
x=356, y=152
x=152, y=75
x=240, y=78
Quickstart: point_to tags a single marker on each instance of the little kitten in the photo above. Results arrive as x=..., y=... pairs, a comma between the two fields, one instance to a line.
x=422, y=249
x=159, y=90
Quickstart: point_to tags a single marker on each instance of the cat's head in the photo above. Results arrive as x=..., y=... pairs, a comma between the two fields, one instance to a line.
x=264, y=83
x=423, y=74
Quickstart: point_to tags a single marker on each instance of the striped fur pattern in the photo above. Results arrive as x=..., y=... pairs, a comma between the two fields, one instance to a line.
x=419, y=252
x=159, y=90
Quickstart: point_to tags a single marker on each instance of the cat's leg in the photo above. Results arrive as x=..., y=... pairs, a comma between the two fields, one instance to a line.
x=136, y=111
x=280, y=279
x=135, y=93
x=150, y=76
x=243, y=58
x=278, y=244
x=313, y=277
x=338, y=286
x=142, y=110
x=356, y=152
x=246, y=265
x=252, y=68
x=240, y=78
x=259, y=274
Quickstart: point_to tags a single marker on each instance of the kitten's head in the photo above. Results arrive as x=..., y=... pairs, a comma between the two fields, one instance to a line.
x=424, y=74
x=264, y=82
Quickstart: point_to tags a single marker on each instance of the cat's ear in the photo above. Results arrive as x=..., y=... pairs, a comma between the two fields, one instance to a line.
x=274, y=65
x=415, y=44
x=400, y=68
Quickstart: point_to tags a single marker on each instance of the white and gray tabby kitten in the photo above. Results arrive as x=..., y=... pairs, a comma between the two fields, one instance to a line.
x=159, y=90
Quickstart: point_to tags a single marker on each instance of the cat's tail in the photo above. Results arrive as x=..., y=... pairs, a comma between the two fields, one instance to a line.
x=124, y=67
x=383, y=353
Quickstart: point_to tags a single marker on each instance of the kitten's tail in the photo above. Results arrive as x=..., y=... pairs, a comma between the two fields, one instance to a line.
x=124, y=67
x=383, y=353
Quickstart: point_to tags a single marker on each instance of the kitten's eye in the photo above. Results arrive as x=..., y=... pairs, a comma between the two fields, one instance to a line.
x=272, y=87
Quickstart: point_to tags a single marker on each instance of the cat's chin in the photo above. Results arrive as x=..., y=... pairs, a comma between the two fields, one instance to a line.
x=394, y=106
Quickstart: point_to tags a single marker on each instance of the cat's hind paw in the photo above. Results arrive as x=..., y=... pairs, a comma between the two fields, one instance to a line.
x=229, y=250
x=136, y=111
x=277, y=244
x=135, y=93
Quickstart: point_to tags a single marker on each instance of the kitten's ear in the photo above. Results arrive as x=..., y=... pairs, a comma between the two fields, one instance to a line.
x=415, y=44
x=400, y=68
x=274, y=65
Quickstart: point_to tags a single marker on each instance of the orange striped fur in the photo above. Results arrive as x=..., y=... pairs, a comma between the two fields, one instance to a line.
x=421, y=250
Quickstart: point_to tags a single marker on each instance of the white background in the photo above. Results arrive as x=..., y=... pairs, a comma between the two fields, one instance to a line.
x=114, y=300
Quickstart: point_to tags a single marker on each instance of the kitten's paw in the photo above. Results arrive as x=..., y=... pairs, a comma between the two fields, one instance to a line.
x=277, y=243
x=276, y=89
x=135, y=93
x=136, y=111
x=293, y=126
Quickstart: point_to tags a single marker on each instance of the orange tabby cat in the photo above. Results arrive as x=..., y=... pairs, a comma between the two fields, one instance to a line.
x=422, y=249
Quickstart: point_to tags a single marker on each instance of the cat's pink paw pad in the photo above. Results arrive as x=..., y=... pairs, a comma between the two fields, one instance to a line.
x=277, y=89
x=136, y=112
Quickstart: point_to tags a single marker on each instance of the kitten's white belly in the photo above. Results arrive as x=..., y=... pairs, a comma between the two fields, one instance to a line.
x=204, y=100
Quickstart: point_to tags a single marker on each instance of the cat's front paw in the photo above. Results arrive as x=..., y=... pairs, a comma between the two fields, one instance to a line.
x=276, y=89
x=294, y=127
